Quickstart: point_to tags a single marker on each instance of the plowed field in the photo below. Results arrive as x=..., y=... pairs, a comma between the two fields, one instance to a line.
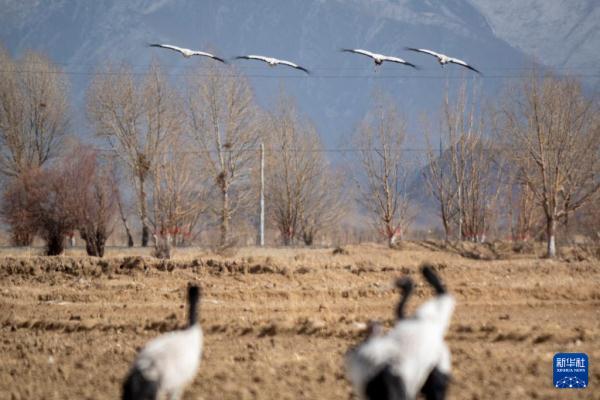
x=278, y=321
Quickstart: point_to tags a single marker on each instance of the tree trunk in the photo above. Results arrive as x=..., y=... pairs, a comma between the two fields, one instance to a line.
x=551, y=237
x=94, y=243
x=162, y=247
x=308, y=237
x=393, y=236
x=129, y=238
x=145, y=235
x=224, y=216
x=446, y=227
x=101, y=245
x=55, y=245
x=287, y=233
x=391, y=241
x=124, y=219
x=90, y=247
x=145, y=229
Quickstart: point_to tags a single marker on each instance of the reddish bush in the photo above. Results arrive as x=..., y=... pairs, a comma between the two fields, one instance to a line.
x=96, y=201
x=44, y=206
x=15, y=213
x=71, y=195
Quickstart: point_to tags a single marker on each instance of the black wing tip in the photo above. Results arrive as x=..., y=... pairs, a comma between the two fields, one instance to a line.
x=412, y=49
x=303, y=69
x=347, y=50
x=220, y=59
x=467, y=66
x=433, y=279
x=386, y=384
x=241, y=58
x=413, y=65
x=137, y=386
x=154, y=45
x=472, y=68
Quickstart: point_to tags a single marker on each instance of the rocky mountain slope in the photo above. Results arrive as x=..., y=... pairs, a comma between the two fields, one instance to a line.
x=81, y=35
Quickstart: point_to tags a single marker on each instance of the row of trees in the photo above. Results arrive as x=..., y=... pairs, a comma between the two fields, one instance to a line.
x=188, y=159
x=539, y=150
x=197, y=152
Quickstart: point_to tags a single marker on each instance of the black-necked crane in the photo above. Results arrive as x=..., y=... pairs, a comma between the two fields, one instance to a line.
x=413, y=357
x=444, y=59
x=379, y=59
x=169, y=362
x=187, y=53
x=272, y=62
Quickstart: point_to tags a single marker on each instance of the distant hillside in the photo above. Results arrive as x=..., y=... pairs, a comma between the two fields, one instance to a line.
x=81, y=34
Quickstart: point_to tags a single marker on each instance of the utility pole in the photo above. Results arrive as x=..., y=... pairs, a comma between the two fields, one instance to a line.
x=261, y=223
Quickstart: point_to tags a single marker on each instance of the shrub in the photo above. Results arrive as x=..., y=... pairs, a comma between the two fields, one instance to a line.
x=53, y=202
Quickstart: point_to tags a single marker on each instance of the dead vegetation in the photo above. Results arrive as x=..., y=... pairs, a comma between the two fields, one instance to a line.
x=278, y=321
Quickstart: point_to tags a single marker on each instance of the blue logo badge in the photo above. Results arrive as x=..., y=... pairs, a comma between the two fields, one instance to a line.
x=570, y=370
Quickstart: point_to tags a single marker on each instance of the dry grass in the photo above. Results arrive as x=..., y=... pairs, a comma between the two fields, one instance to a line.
x=278, y=321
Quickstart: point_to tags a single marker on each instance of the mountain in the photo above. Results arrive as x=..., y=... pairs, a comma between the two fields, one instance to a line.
x=83, y=34
x=497, y=37
x=557, y=33
x=500, y=38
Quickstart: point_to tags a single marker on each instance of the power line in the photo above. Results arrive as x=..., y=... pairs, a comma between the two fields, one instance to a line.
x=322, y=150
x=317, y=68
x=279, y=76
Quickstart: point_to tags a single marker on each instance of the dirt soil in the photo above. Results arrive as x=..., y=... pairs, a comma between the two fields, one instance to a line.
x=277, y=322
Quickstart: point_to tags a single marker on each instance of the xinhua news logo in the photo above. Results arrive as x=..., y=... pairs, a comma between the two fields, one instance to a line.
x=570, y=370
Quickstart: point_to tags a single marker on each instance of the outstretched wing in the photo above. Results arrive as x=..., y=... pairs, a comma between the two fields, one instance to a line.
x=464, y=64
x=425, y=51
x=169, y=46
x=204, y=54
x=291, y=64
x=253, y=57
x=360, y=51
x=399, y=61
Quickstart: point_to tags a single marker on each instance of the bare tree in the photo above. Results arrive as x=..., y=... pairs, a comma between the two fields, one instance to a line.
x=383, y=174
x=96, y=199
x=325, y=204
x=441, y=185
x=178, y=198
x=523, y=216
x=33, y=112
x=137, y=119
x=33, y=120
x=224, y=129
x=122, y=205
x=464, y=178
x=552, y=132
x=302, y=194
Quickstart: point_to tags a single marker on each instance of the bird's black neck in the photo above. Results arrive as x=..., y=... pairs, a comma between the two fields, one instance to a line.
x=193, y=300
x=406, y=287
x=400, y=309
x=193, y=317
